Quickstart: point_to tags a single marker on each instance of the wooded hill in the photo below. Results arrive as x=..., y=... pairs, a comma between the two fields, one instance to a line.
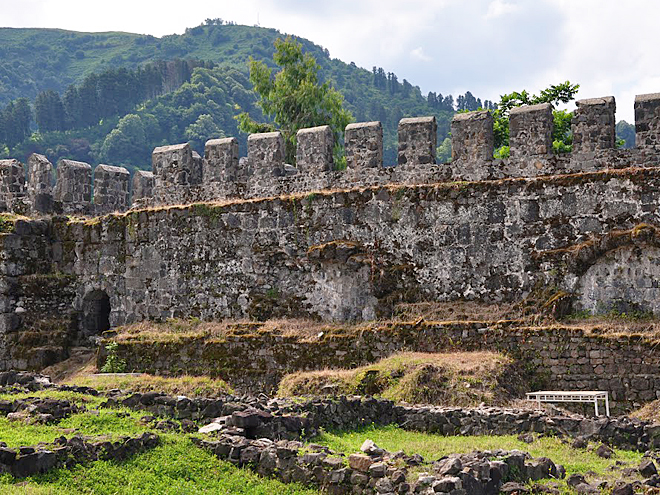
x=113, y=97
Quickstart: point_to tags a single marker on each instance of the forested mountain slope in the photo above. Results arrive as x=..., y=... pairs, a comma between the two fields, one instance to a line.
x=65, y=93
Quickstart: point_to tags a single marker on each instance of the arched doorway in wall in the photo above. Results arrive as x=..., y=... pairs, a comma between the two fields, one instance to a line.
x=95, y=315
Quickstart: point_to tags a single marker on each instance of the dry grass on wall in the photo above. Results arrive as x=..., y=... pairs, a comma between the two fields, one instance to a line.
x=451, y=379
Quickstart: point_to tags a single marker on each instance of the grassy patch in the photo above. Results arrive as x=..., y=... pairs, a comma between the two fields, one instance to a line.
x=80, y=399
x=107, y=422
x=191, y=386
x=458, y=378
x=7, y=222
x=175, y=467
x=433, y=447
x=648, y=412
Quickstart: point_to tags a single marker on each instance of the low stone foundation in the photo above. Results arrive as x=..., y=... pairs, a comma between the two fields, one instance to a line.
x=28, y=461
x=564, y=358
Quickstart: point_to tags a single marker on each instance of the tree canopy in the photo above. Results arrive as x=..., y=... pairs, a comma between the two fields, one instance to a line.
x=294, y=97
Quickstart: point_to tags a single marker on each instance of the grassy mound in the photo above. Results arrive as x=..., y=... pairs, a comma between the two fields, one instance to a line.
x=453, y=379
x=175, y=467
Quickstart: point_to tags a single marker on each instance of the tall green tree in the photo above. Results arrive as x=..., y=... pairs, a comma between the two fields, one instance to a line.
x=294, y=97
x=15, y=121
x=126, y=143
x=200, y=131
x=625, y=134
x=49, y=111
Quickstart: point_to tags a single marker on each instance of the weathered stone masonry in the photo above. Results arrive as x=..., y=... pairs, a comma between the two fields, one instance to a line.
x=181, y=176
x=368, y=238
x=338, y=255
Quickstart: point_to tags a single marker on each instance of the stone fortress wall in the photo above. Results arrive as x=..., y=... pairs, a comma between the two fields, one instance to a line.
x=180, y=176
x=216, y=238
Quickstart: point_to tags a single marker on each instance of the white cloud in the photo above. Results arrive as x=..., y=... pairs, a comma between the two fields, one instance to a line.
x=488, y=47
x=418, y=53
x=499, y=8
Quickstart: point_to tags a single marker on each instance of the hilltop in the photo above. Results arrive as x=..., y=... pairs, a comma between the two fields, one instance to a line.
x=37, y=60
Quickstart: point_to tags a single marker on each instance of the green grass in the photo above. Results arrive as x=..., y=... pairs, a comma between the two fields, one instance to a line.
x=108, y=423
x=80, y=399
x=191, y=386
x=432, y=447
x=175, y=467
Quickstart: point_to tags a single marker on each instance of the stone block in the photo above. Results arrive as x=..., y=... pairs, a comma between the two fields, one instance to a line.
x=40, y=183
x=530, y=130
x=12, y=183
x=364, y=145
x=594, y=125
x=175, y=170
x=360, y=462
x=266, y=153
x=73, y=188
x=173, y=165
x=143, y=185
x=472, y=137
x=221, y=160
x=314, y=151
x=418, y=139
x=110, y=189
x=647, y=120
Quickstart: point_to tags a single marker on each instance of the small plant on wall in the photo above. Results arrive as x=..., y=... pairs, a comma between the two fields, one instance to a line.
x=113, y=363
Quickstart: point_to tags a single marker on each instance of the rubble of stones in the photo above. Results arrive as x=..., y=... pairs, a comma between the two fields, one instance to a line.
x=63, y=452
x=379, y=471
x=38, y=410
x=280, y=418
x=270, y=436
x=21, y=381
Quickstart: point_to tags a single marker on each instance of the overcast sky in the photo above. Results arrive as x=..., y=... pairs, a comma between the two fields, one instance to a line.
x=488, y=47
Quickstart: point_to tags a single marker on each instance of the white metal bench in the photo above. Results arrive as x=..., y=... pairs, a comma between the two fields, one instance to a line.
x=584, y=396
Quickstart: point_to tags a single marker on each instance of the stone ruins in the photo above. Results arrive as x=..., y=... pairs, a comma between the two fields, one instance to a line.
x=222, y=236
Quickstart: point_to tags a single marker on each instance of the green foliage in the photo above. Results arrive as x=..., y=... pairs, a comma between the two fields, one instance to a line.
x=49, y=111
x=625, y=134
x=113, y=363
x=443, y=152
x=126, y=141
x=562, y=139
x=7, y=221
x=502, y=152
x=294, y=97
x=553, y=94
x=203, y=129
x=15, y=121
x=164, y=82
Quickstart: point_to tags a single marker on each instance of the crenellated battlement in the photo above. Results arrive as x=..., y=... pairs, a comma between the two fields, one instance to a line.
x=180, y=176
x=263, y=172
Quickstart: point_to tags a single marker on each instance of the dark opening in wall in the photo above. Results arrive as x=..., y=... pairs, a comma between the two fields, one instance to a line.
x=95, y=318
